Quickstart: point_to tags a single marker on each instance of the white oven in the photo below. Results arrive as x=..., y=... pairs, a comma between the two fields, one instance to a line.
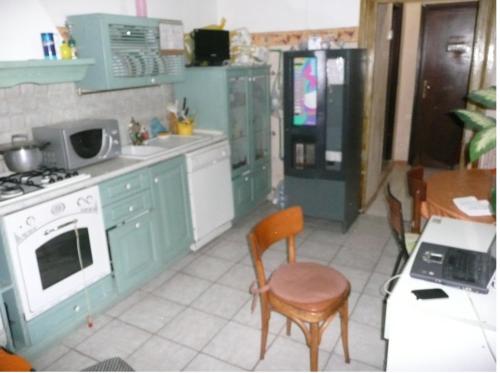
x=57, y=248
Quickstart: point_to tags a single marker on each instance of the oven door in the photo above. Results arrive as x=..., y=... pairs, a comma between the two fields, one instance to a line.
x=60, y=259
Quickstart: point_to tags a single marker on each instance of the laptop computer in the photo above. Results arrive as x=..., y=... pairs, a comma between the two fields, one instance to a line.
x=465, y=269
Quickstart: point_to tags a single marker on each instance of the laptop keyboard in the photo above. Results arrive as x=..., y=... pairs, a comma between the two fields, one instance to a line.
x=461, y=266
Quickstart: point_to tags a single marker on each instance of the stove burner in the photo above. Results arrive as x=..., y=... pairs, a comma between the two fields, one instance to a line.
x=8, y=192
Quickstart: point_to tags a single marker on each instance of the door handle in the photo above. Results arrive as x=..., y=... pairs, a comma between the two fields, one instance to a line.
x=425, y=87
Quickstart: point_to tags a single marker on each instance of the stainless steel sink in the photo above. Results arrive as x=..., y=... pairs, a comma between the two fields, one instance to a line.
x=157, y=146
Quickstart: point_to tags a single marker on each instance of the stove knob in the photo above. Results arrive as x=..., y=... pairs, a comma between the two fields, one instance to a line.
x=89, y=200
x=81, y=202
x=30, y=221
x=58, y=208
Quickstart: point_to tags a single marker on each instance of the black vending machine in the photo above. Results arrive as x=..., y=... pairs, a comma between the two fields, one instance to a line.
x=323, y=110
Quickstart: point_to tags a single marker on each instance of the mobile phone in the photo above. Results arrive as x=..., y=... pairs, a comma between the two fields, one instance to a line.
x=430, y=293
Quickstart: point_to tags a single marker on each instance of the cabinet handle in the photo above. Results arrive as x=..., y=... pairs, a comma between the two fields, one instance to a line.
x=246, y=178
x=264, y=167
x=131, y=208
x=156, y=180
x=153, y=80
x=137, y=225
x=128, y=186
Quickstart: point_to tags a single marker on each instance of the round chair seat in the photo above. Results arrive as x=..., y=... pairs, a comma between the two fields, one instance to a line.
x=308, y=285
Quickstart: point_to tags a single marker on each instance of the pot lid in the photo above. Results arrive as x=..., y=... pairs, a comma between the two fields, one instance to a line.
x=17, y=144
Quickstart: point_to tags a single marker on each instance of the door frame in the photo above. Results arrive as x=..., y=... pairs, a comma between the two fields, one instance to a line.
x=482, y=62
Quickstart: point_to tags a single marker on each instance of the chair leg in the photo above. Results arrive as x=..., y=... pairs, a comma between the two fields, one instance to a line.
x=314, y=346
x=265, y=316
x=344, y=322
x=288, y=326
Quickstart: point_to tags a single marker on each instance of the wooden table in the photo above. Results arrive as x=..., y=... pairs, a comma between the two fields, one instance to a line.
x=442, y=187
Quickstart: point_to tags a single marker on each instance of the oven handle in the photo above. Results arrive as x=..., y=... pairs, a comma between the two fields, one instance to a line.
x=52, y=230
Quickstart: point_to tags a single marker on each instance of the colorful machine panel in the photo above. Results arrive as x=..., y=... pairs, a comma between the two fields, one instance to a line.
x=305, y=91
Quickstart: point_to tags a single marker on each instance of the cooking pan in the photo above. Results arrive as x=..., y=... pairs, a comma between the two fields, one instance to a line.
x=22, y=155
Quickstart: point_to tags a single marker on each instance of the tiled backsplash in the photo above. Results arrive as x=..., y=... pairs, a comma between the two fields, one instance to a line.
x=26, y=106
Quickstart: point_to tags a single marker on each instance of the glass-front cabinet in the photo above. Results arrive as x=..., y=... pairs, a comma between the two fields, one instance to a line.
x=260, y=116
x=238, y=123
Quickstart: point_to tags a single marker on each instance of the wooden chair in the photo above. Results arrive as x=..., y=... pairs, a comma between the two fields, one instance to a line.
x=308, y=294
x=418, y=191
x=406, y=241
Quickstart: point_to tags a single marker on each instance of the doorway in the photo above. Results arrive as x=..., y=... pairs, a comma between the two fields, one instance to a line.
x=446, y=45
x=392, y=82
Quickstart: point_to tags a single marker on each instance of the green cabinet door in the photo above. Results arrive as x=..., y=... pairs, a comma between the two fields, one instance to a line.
x=242, y=194
x=171, y=201
x=261, y=179
x=133, y=251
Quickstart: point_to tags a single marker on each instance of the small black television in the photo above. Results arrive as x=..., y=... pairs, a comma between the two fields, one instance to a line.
x=211, y=47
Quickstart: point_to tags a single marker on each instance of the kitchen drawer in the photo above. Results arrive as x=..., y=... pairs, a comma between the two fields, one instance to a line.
x=69, y=313
x=128, y=208
x=124, y=186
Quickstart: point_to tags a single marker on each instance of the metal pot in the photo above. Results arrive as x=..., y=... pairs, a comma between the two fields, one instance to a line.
x=22, y=155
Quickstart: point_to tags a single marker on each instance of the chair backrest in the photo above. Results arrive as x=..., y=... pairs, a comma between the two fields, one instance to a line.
x=285, y=224
x=396, y=219
x=417, y=188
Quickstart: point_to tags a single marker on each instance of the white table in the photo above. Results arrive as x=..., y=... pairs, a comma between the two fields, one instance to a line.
x=450, y=334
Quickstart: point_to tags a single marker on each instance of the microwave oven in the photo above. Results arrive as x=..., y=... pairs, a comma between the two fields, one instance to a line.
x=80, y=143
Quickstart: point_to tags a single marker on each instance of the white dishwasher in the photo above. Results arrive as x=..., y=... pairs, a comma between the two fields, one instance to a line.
x=210, y=192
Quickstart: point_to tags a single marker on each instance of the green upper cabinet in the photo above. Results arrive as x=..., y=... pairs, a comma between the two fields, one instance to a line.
x=126, y=51
x=235, y=100
x=171, y=201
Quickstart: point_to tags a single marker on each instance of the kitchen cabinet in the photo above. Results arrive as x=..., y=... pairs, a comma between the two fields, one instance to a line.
x=134, y=251
x=127, y=51
x=130, y=221
x=171, y=201
x=236, y=101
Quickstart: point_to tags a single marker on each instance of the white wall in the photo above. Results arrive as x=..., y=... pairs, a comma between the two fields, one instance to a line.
x=284, y=15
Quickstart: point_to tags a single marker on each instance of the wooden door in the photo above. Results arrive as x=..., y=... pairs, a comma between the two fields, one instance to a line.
x=447, y=35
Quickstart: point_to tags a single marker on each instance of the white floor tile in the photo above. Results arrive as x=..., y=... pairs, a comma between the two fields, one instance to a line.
x=317, y=250
x=221, y=301
x=239, y=277
x=375, y=285
x=151, y=313
x=236, y=344
x=365, y=345
x=115, y=339
x=330, y=237
x=228, y=250
x=246, y=317
x=364, y=259
x=193, y=328
x=182, y=288
x=205, y=363
x=49, y=357
x=369, y=310
x=207, y=267
x=159, y=354
x=158, y=280
x=71, y=362
x=83, y=331
x=287, y=355
x=336, y=363
x=126, y=303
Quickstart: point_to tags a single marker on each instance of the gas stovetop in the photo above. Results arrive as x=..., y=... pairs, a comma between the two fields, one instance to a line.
x=26, y=184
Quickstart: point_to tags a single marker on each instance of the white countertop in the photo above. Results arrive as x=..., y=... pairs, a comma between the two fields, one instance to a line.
x=106, y=170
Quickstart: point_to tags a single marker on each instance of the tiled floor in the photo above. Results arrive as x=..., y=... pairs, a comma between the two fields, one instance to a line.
x=196, y=315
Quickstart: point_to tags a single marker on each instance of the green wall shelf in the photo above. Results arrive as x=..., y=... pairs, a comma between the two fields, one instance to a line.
x=43, y=71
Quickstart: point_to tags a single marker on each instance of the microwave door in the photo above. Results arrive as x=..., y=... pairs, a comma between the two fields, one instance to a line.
x=87, y=144
x=107, y=141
